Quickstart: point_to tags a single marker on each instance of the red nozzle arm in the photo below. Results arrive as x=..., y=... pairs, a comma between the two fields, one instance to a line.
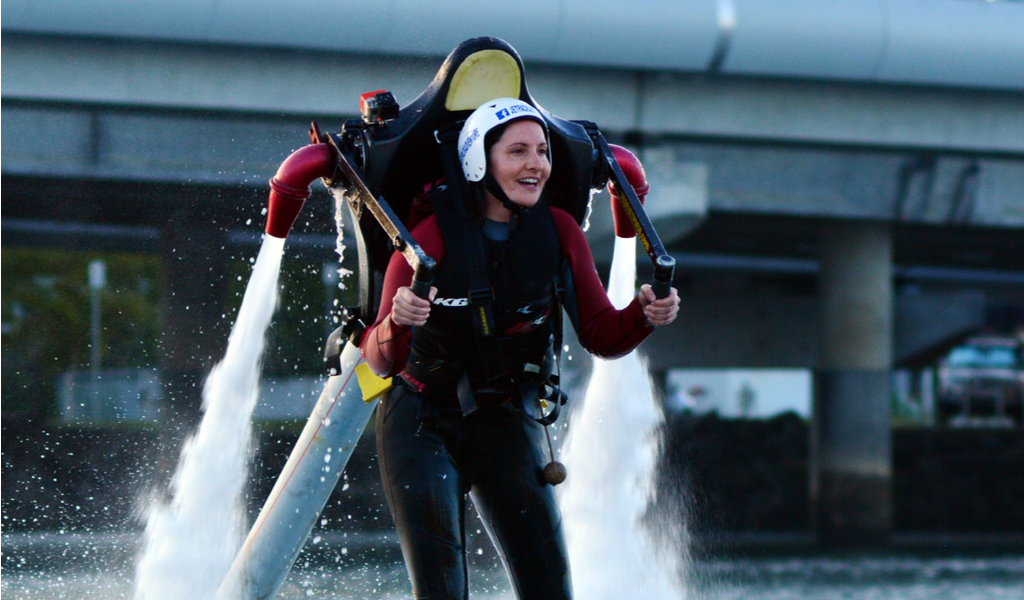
x=634, y=172
x=289, y=188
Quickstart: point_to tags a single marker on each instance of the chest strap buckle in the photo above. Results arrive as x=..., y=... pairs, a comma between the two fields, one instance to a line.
x=481, y=295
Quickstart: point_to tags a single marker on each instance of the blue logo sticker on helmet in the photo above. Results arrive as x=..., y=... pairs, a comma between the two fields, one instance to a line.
x=464, y=148
x=515, y=109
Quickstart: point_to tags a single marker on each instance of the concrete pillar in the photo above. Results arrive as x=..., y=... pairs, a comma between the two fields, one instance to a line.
x=851, y=458
x=193, y=332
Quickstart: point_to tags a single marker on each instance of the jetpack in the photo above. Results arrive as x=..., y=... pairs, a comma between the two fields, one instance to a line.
x=377, y=165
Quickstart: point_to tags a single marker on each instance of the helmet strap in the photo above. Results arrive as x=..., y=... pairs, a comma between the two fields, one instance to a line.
x=516, y=209
x=492, y=186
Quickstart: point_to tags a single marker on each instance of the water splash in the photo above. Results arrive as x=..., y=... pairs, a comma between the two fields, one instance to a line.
x=616, y=548
x=191, y=541
x=339, y=244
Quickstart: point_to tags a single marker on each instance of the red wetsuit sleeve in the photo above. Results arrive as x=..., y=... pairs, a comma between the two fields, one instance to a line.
x=603, y=330
x=385, y=345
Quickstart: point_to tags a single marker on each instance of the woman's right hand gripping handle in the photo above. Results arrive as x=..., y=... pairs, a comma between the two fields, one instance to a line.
x=411, y=310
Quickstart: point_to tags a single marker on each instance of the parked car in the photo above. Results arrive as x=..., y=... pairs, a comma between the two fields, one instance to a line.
x=983, y=377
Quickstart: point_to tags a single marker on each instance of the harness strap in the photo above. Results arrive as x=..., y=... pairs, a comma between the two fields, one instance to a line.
x=458, y=230
x=550, y=390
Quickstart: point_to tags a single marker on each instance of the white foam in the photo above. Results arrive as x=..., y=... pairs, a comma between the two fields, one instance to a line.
x=616, y=550
x=191, y=542
x=339, y=244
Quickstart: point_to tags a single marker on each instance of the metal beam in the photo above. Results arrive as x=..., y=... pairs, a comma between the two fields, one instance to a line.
x=326, y=85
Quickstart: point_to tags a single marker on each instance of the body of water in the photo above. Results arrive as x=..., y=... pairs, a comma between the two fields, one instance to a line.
x=369, y=566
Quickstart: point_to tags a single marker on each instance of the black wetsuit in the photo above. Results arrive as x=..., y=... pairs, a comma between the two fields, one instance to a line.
x=430, y=462
x=432, y=454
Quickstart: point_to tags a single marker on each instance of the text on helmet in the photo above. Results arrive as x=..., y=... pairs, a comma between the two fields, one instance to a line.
x=515, y=109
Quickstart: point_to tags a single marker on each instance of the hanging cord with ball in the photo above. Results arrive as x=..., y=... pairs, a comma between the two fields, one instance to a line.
x=554, y=471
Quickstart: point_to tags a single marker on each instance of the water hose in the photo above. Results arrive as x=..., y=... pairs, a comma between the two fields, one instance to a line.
x=634, y=172
x=289, y=188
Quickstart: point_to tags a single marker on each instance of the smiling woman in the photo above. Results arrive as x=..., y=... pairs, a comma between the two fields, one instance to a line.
x=475, y=363
x=521, y=166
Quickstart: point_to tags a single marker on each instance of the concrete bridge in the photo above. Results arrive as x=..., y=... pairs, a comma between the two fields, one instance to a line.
x=842, y=184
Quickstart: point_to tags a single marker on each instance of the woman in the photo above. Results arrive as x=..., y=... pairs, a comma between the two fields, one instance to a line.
x=456, y=423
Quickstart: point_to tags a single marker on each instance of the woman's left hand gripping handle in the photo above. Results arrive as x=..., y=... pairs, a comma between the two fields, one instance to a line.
x=411, y=309
x=659, y=311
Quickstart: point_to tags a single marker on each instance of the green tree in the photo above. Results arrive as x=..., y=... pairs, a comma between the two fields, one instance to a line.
x=46, y=320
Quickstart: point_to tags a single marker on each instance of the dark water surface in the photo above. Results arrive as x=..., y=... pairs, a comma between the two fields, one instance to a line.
x=68, y=567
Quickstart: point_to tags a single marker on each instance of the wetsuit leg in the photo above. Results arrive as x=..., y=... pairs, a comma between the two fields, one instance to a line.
x=426, y=495
x=518, y=508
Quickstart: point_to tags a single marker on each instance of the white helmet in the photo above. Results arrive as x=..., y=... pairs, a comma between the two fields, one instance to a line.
x=472, y=153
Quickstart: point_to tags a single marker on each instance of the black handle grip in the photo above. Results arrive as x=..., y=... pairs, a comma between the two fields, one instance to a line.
x=423, y=278
x=664, y=270
x=421, y=288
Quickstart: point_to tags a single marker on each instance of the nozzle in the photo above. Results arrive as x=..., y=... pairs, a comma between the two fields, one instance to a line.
x=634, y=172
x=289, y=188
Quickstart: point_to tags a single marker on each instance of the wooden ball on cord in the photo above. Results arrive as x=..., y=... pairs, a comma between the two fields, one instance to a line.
x=554, y=473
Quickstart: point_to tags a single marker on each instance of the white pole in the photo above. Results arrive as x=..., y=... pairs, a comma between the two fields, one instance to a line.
x=303, y=487
x=97, y=281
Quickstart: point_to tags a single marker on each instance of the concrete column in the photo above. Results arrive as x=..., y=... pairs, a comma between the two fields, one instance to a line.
x=193, y=332
x=851, y=458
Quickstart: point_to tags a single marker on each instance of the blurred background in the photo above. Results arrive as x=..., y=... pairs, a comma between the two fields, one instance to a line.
x=841, y=184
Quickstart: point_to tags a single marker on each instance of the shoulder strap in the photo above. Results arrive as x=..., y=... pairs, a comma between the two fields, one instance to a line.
x=457, y=227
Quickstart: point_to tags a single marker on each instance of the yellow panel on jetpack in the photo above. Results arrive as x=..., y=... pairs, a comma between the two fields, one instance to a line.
x=371, y=385
x=482, y=77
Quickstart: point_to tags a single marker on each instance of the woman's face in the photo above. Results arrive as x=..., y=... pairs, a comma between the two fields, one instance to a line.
x=519, y=162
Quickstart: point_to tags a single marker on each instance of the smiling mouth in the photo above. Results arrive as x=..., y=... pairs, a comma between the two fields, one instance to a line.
x=530, y=181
